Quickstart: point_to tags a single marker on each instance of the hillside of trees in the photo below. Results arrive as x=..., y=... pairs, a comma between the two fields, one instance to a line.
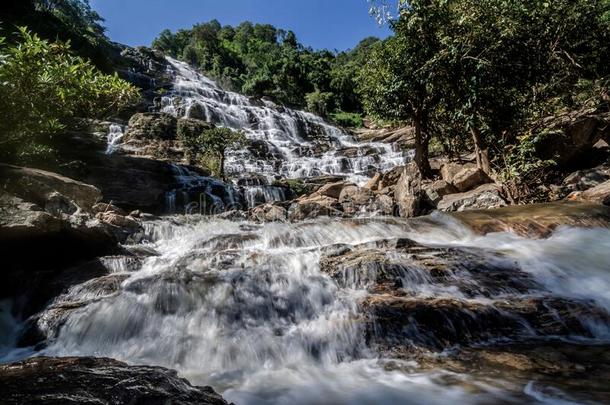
x=262, y=60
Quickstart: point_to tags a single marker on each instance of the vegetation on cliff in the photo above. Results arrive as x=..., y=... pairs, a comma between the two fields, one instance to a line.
x=45, y=89
x=481, y=75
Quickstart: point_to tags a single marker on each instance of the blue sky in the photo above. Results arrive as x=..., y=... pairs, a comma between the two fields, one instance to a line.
x=331, y=24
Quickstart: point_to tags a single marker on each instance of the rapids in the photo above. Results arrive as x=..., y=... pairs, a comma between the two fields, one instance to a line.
x=248, y=309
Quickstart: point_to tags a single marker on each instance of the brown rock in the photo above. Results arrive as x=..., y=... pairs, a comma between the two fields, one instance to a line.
x=469, y=178
x=436, y=190
x=449, y=170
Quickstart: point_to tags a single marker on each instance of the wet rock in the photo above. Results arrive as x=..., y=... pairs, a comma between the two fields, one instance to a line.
x=144, y=126
x=78, y=380
x=439, y=323
x=269, y=213
x=373, y=183
x=485, y=196
x=599, y=194
x=309, y=207
x=404, y=267
x=536, y=220
x=469, y=178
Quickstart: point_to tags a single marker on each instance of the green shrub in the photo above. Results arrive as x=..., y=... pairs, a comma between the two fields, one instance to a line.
x=346, y=119
x=44, y=89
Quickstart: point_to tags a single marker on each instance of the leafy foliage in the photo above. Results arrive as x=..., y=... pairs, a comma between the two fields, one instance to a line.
x=210, y=147
x=482, y=72
x=262, y=60
x=44, y=89
x=66, y=20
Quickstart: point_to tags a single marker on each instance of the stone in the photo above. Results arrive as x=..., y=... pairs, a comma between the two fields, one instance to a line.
x=574, y=135
x=60, y=193
x=599, y=194
x=469, y=178
x=373, y=183
x=536, y=220
x=188, y=128
x=436, y=190
x=333, y=190
x=117, y=220
x=146, y=126
x=104, y=207
x=485, y=196
x=313, y=206
x=410, y=199
x=269, y=213
x=450, y=169
x=584, y=179
x=78, y=380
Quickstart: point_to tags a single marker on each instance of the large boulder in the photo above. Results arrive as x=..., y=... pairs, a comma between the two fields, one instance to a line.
x=269, y=213
x=574, y=134
x=410, y=198
x=469, y=178
x=148, y=126
x=314, y=206
x=333, y=190
x=50, y=191
x=536, y=220
x=436, y=190
x=599, y=194
x=88, y=380
x=451, y=169
x=485, y=196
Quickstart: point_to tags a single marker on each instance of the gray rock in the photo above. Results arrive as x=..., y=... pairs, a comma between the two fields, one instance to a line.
x=485, y=196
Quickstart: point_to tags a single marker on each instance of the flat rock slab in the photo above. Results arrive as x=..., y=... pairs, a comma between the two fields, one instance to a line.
x=536, y=220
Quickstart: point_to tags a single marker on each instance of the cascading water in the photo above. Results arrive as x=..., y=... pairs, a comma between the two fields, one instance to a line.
x=114, y=137
x=249, y=309
x=290, y=143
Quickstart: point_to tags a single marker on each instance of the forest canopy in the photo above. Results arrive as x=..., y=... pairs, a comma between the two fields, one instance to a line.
x=262, y=60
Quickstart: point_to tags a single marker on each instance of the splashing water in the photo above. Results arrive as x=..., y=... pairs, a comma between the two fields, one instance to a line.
x=114, y=137
x=247, y=309
x=294, y=144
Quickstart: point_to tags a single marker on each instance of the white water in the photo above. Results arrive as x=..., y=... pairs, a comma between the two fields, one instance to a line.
x=246, y=309
x=114, y=137
x=302, y=144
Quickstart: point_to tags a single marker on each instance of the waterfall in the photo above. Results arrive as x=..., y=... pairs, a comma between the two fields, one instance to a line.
x=115, y=134
x=294, y=144
x=250, y=310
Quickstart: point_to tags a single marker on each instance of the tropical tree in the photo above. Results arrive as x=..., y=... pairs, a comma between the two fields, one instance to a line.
x=210, y=147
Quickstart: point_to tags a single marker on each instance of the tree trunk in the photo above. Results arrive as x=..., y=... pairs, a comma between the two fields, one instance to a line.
x=421, y=150
x=481, y=151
